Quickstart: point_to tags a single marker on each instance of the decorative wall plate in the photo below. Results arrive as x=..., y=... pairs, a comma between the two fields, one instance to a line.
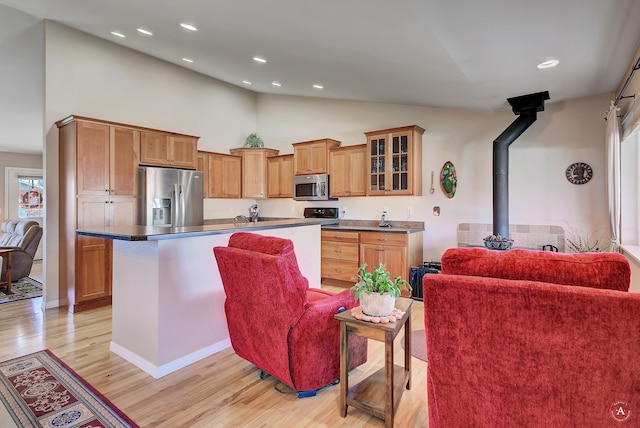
x=448, y=179
x=579, y=173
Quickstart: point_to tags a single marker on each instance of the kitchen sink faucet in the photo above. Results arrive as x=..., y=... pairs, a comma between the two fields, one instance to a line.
x=253, y=211
x=384, y=220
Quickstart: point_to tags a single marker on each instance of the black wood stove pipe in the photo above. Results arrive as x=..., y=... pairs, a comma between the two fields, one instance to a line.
x=526, y=107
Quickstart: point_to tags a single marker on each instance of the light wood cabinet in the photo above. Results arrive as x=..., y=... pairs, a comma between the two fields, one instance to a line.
x=280, y=175
x=95, y=289
x=254, y=170
x=346, y=170
x=397, y=251
x=224, y=176
x=339, y=257
x=312, y=157
x=98, y=184
x=164, y=149
x=344, y=251
x=202, y=165
x=395, y=161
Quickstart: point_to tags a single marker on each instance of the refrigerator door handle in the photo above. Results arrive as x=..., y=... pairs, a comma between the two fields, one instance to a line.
x=175, y=220
x=182, y=206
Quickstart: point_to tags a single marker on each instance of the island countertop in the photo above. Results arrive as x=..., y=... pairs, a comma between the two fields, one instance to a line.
x=150, y=233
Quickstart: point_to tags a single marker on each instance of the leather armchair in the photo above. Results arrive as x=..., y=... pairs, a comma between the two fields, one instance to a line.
x=23, y=237
x=525, y=338
x=275, y=320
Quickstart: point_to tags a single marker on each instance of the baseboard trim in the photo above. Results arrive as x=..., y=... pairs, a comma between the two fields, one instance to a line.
x=159, y=371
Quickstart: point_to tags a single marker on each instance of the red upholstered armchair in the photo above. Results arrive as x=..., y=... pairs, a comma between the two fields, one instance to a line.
x=275, y=320
x=528, y=339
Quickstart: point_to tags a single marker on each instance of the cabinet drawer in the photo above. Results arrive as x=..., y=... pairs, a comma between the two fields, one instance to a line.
x=340, y=250
x=383, y=238
x=339, y=269
x=339, y=236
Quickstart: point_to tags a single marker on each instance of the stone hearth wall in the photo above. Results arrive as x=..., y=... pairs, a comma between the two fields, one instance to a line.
x=523, y=235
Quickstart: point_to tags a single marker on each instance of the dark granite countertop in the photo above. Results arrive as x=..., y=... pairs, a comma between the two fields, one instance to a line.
x=373, y=226
x=148, y=233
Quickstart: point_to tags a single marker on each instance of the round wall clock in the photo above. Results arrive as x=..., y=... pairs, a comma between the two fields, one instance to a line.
x=579, y=173
x=448, y=179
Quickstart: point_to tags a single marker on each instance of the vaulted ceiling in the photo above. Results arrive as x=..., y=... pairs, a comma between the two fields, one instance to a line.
x=456, y=53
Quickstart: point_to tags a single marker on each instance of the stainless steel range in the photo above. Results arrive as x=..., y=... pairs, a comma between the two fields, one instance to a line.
x=313, y=212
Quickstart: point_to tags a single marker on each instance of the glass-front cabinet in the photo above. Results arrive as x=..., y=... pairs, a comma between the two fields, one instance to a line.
x=395, y=161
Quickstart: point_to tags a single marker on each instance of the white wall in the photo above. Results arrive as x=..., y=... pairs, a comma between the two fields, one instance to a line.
x=88, y=76
x=564, y=133
x=21, y=81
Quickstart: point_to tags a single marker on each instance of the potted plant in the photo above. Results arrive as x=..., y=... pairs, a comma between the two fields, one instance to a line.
x=253, y=141
x=376, y=291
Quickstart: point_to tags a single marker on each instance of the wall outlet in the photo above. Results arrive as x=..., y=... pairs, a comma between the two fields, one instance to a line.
x=343, y=211
x=409, y=212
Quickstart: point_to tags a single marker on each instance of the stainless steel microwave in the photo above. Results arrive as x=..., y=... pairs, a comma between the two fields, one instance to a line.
x=312, y=187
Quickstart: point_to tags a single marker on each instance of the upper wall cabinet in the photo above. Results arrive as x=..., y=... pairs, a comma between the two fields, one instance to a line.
x=224, y=176
x=168, y=150
x=254, y=170
x=202, y=164
x=312, y=157
x=347, y=170
x=395, y=161
x=280, y=173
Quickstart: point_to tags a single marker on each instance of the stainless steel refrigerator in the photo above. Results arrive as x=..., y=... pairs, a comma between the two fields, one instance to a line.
x=170, y=197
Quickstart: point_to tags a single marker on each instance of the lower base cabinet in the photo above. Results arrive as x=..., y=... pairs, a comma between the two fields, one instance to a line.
x=93, y=272
x=339, y=265
x=344, y=252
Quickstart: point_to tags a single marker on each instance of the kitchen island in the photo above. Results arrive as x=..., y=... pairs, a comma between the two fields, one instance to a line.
x=168, y=298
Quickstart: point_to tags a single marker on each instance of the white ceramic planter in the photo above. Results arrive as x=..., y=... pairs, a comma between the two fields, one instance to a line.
x=377, y=305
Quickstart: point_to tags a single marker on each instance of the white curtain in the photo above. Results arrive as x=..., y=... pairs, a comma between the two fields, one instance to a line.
x=613, y=173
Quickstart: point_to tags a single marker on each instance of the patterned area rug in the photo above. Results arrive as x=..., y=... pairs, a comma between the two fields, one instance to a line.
x=25, y=288
x=39, y=390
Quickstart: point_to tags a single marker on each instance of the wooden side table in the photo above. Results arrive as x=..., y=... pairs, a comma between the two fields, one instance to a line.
x=380, y=393
x=6, y=254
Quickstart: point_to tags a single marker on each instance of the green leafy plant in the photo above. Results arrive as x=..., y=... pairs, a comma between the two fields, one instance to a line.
x=378, y=281
x=253, y=141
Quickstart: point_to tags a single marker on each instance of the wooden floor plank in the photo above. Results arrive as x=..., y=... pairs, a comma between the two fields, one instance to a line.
x=222, y=390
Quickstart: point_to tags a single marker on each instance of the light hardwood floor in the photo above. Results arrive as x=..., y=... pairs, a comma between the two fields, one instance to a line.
x=222, y=390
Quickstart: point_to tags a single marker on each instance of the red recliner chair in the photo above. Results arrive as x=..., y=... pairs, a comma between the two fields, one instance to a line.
x=276, y=321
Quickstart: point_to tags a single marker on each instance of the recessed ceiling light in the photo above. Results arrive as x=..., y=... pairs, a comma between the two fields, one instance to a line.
x=117, y=34
x=246, y=82
x=187, y=60
x=548, y=64
x=259, y=59
x=318, y=86
x=145, y=32
x=278, y=84
x=188, y=26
